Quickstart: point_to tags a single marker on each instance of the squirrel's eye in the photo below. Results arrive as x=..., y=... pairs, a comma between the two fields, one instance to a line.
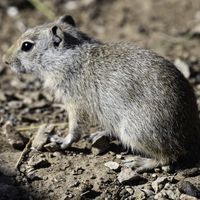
x=26, y=46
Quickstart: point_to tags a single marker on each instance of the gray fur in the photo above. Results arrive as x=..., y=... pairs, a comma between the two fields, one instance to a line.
x=135, y=94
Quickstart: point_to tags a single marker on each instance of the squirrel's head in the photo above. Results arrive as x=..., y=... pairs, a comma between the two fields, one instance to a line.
x=40, y=49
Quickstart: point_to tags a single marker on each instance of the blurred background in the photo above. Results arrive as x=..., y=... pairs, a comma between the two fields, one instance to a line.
x=157, y=24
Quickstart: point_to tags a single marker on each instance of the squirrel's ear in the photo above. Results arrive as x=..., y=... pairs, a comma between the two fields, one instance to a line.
x=57, y=34
x=68, y=19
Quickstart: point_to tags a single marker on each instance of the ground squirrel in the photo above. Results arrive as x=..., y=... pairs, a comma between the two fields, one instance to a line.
x=136, y=95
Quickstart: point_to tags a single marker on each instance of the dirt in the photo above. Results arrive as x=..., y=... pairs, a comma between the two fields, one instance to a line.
x=76, y=173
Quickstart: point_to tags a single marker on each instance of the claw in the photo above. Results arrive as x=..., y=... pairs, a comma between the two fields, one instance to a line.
x=49, y=135
x=54, y=138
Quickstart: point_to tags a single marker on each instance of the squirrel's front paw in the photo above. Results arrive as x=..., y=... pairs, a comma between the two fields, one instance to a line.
x=62, y=142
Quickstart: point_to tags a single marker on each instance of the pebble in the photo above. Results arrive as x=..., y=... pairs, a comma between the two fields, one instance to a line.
x=13, y=118
x=170, y=191
x=3, y=96
x=15, y=139
x=191, y=172
x=112, y=165
x=159, y=184
x=15, y=104
x=138, y=194
x=84, y=186
x=157, y=170
x=183, y=67
x=189, y=188
x=130, y=190
x=148, y=192
x=38, y=104
x=167, y=168
x=52, y=147
x=7, y=169
x=100, y=145
x=119, y=156
x=12, y=11
x=41, y=139
x=187, y=197
x=37, y=161
x=154, y=176
x=127, y=174
x=71, y=5
x=31, y=175
x=70, y=195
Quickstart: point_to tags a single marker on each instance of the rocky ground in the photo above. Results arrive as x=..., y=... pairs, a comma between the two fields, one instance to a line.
x=30, y=166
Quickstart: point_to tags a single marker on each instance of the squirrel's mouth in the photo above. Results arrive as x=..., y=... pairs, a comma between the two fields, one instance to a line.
x=18, y=69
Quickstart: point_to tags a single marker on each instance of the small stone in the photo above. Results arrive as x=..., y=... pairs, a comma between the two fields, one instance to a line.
x=3, y=96
x=191, y=172
x=15, y=139
x=41, y=139
x=127, y=174
x=119, y=156
x=27, y=101
x=130, y=191
x=71, y=5
x=57, y=154
x=12, y=11
x=123, y=193
x=193, y=59
x=70, y=195
x=160, y=196
x=37, y=161
x=18, y=179
x=138, y=194
x=52, y=147
x=154, y=176
x=189, y=188
x=159, y=184
x=183, y=67
x=187, y=197
x=84, y=186
x=7, y=169
x=38, y=104
x=157, y=170
x=112, y=165
x=31, y=175
x=167, y=168
x=148, y=192
x=100, y=145
x=15, y=104
x=172, y=191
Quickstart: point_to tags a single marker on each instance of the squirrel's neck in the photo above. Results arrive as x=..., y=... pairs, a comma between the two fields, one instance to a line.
x=67, y=79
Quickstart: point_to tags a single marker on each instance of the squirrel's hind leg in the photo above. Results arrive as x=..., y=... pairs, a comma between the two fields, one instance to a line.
x=141, y=164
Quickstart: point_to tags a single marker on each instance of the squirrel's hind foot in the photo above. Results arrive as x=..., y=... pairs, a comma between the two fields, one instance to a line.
x=94, y=136
x=141, y=164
